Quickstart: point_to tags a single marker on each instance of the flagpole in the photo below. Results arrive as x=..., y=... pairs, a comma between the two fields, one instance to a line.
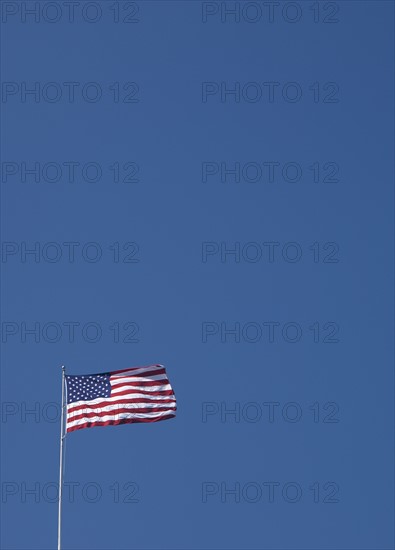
x=62, y=436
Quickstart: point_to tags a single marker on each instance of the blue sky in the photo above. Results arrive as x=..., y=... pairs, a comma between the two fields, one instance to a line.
x=133, y=214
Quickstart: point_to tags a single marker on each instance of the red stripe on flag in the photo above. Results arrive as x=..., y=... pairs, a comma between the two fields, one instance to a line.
x=120, y=421
x=120, y=411
x=96, y=406
x=144, y=392
x=140, y=375
x=135, y=368
x=161, y=382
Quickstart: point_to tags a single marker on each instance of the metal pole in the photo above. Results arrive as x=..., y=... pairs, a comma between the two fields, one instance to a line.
x=62, y=436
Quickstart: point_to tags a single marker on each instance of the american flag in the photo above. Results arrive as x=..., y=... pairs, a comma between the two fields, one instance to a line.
x=141, y=394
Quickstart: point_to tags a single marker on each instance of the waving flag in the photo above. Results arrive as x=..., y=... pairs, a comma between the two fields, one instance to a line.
x=141, y=394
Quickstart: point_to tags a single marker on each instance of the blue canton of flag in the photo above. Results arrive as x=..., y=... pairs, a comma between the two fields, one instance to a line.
x=85, y=388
